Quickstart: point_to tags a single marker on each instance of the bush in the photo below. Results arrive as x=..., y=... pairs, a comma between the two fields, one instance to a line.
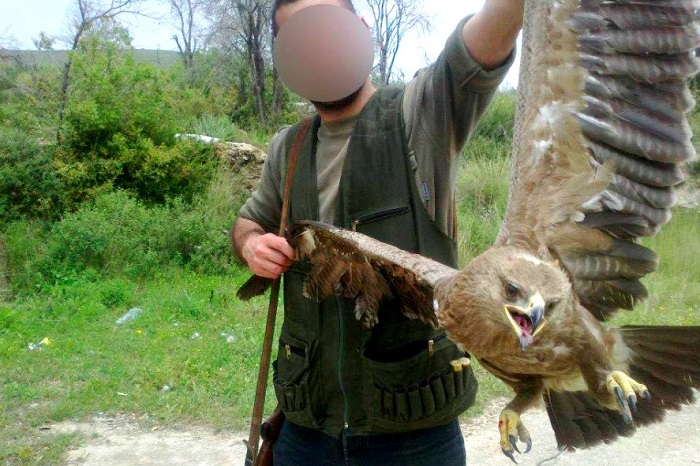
x=181, y=171
x=29, y=185
x=117, y=235
x=28, y=97
x=119, y=131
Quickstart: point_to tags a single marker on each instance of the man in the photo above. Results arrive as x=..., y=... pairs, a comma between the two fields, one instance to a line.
x=382, y=162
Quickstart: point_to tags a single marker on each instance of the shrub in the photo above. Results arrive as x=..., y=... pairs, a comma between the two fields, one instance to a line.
x=182, y=170
x=117, y=235
x=29, y=185
x=119, y=131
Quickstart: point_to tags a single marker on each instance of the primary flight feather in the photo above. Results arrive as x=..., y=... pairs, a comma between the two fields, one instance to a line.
x=601, y=132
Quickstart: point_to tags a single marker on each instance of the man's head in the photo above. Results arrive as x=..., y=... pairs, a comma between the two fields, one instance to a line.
x=323, y=51
x=303, y=3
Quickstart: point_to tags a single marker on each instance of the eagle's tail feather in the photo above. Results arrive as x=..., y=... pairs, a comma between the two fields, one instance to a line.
x=579, y=421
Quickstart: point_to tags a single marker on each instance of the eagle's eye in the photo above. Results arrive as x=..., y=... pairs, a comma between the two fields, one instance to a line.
x=512, y=291
x=550, y=305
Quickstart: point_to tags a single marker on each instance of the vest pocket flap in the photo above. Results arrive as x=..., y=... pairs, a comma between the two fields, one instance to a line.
x=423, y=360
x=294, y=398
x=294, y=354
x=422, y=386
x=290, y=372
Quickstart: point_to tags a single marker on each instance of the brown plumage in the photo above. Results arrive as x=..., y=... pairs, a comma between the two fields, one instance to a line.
x=601, y=131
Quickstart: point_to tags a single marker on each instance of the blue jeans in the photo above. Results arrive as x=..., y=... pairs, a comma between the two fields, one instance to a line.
x=438, y=446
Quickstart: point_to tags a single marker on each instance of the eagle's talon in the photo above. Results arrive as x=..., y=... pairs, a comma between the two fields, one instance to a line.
x=514, y=442
x=512, y=430
x=632, y=402
x=509, y=454
x=625, y=390
x=619, y=395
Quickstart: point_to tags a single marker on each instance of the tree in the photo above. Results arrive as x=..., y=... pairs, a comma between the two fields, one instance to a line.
x=243, y=26
x=119, y=126
x=89, y=14
x=392, y=20
x=7, y=42
x=186, y=14
x=43, y=42
x=254, y=33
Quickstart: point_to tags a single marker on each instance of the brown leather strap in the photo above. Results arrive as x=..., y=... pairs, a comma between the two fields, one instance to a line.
x=264, y=369
x=291, y=165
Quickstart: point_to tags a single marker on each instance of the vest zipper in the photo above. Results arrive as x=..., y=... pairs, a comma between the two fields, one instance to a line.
x=341, y=357
x=377, y=216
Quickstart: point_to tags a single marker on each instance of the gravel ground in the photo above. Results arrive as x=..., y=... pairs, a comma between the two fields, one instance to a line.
x=122, y=442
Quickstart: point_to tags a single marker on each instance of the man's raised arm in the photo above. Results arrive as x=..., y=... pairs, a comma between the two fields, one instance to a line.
x=490, y=35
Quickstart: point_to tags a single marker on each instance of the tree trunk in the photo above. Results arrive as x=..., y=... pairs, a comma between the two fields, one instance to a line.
x=65, y=80
x=277, y=93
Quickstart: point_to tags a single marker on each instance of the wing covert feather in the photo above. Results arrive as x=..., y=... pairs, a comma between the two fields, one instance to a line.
x=354, y=265
x=601, y=136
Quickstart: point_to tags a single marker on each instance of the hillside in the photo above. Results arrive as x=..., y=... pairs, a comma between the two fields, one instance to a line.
x=161, y=58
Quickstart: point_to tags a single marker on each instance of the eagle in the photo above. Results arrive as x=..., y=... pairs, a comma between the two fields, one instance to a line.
x=601, y=134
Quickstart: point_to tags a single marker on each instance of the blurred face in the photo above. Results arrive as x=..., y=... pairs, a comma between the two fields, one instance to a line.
x=323, y=51
x=285, y=11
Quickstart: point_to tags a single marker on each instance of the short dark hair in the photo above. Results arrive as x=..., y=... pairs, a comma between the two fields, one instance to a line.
x=278, y=3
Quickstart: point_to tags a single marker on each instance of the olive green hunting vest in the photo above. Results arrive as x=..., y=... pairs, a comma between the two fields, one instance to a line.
x=330, y=373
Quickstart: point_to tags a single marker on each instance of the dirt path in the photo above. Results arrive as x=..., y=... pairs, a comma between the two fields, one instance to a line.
x=121, y=442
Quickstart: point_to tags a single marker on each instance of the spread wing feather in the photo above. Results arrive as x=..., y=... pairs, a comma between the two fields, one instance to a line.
x=669, y=366
x=601, y=134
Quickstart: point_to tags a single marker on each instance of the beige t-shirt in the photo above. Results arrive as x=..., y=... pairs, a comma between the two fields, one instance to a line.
x=441, y=107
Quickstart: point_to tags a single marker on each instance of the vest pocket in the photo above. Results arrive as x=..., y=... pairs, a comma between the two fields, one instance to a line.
x=420, y=391
x=291, y=378
x=377, y=216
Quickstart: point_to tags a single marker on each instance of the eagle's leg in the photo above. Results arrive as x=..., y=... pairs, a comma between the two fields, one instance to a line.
x=510, y=426
x=512, y=429
x=625, y=390
x=613, y=389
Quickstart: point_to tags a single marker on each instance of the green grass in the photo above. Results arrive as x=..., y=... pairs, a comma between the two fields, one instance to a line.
x=674, y=289
x=172, y=365
x=482, y=193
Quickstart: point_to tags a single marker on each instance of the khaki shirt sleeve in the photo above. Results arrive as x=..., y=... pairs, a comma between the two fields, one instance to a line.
x=442, y=105
x=264, y=207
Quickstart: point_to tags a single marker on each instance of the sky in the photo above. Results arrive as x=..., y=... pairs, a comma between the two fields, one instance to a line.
x=23, y=20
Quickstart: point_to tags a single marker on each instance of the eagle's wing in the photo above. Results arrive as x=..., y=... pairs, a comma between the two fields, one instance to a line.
x=336, y=261
x=601, y=132
x=353, y=265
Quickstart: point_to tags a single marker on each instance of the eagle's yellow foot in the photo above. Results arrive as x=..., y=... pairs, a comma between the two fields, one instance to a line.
x=511, y=430
x=626, y=389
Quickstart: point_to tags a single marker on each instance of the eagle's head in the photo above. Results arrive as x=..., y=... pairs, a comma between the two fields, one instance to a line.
x=501, y=299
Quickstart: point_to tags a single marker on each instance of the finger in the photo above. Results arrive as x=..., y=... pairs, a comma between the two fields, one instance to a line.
x=275, y=270
x=264, y=267
x=282, y=246
x=274, y=257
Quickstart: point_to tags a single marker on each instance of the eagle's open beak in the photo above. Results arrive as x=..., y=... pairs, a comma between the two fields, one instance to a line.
x=527, y=319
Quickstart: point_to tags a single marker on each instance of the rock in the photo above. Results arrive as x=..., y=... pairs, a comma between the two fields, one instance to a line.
x=243, y=159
